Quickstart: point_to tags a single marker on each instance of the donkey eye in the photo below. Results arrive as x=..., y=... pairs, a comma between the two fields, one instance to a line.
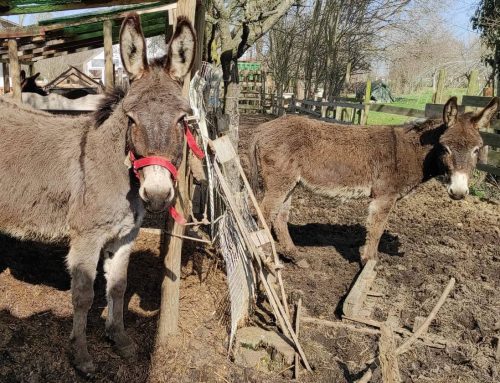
x=475, y=151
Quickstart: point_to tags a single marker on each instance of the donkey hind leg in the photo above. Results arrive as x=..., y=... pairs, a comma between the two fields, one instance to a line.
x=82, y=263
x=378, y=213
x=281, y=227
x=275, y=208
x=115, y=268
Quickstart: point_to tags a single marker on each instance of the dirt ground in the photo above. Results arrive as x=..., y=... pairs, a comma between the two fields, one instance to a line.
x=429, y=239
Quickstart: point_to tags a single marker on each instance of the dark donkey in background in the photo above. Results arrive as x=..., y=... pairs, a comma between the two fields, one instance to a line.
x=64, y=178
x=381, y=162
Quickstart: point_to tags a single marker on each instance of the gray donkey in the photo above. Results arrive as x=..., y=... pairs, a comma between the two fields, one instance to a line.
x=381, y=162
x=65, y=178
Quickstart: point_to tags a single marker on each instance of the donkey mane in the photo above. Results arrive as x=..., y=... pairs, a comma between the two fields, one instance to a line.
x=107, y=105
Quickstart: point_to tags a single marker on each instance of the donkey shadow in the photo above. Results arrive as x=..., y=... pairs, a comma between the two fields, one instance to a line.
x=346, y=239
x=39, y=263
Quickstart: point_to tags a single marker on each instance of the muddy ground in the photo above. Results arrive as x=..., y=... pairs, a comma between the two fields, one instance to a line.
x=429, y=239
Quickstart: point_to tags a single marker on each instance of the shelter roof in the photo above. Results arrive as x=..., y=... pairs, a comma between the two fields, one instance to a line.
x=76, y=33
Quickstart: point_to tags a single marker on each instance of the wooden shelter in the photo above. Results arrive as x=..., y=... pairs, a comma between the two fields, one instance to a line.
x=77, y=33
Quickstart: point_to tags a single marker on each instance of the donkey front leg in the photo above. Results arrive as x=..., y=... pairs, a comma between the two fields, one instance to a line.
x=115, y=268
x=378, y=213
x=82, y=264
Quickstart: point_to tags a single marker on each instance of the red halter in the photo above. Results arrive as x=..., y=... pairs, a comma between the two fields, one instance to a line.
x=163, y=162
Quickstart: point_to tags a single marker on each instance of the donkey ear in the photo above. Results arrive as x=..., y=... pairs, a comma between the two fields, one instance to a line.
x=133, y=47
x=450, y=111
x=483, y=118
x=181, y=50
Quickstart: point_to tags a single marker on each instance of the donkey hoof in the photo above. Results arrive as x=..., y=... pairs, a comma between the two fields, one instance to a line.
x=85, y=368
x=123, y=345
x=126, y=352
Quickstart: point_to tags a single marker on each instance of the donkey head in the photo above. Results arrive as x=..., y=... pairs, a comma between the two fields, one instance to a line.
x=155, y=106
x=28, y=84
x=461, y=142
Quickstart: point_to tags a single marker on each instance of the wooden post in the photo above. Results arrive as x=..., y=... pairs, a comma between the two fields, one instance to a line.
x=438, y=96
x=170, y=288
x=473, y=86
x=368, y=96
x=108, y=54
x=15, y=70
x=6, y=78
x=200, y=33
x=31, y=69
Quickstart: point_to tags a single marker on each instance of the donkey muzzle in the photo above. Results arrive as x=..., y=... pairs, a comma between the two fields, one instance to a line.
x=458, y=187
x=157, y=190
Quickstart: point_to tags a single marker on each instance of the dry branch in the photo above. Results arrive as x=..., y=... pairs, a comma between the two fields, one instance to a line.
x=297, y=329
x=407, y=344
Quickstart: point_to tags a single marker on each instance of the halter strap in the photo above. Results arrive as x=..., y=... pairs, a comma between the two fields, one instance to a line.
x=153, y=160
x=163, y=162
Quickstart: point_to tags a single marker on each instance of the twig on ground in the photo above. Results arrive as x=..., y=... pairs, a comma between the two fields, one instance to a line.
x=297, y=328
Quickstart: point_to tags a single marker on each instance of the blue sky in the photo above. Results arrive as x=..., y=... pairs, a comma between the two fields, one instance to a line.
x=458, y=17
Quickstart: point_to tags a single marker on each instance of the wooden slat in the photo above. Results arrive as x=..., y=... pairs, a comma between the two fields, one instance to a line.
x=224, y=149
x=401, y=111
x=260, y=237
x=9, y=9
x=476, y=101
x=436, y=110
x=354, y=301
x=489, y=169
x=491, y=139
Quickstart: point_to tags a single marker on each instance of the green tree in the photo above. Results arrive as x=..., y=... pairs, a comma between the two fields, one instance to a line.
x=487, y=21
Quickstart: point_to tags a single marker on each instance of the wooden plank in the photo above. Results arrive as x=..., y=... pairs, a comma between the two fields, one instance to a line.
x=491, y=139
x=67, y=6
x=387, y=356
x=307, y=111
x=435, y=111
x=476, y=101
x=224, y=149
x=401, y=111
x=489, y=169
x=260, y=237
x=354, y=301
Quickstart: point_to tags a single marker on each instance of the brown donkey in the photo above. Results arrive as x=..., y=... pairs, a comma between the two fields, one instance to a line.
x=381, y=162
x=64, y=178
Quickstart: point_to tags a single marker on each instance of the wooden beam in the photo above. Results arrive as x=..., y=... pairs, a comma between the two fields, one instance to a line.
x=43, y=30
x=6, y=79
x=16, y=10
x=15, y=70
x=108, y=55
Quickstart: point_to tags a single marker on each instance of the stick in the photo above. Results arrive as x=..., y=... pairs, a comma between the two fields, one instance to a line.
x=297, y=328
x=387, y=356
x=407, y=344
x=327, y=323
x=431, y=341
x=497, y=354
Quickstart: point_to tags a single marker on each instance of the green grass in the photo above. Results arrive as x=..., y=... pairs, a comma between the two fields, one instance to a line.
x=415, y=100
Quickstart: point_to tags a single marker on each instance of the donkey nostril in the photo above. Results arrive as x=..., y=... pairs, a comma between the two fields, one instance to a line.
x=145, y=195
